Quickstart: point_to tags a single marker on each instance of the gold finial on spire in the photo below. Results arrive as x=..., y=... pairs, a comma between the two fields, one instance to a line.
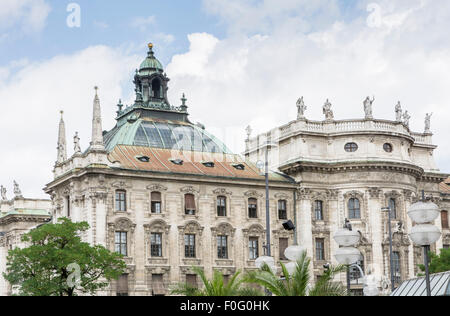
x=150, y=45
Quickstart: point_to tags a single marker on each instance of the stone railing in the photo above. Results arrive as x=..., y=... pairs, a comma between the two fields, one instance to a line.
x=330, y=128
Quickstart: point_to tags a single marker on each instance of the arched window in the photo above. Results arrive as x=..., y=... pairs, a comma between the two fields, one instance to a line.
x=221, y=206
x=393, y=208
x=121, y=201
x=444, y=219
x=156, y=202
x=354, y=209
x=156, y=88
x=318, y=210
x=189, y=204
x=252, y=208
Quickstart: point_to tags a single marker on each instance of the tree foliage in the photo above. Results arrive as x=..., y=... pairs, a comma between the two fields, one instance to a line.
x=297, y=284
x=439, y=263
x=216, y=286
x=49, y=265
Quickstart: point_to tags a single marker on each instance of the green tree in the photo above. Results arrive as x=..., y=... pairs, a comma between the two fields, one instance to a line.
x=216, y=286
x=297, y=284
x=55, y=254
x=439, y=263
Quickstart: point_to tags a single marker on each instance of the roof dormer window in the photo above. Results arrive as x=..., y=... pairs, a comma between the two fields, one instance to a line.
x=209, y=164
x=143, y=158
x=177, y=162
x=239, y=166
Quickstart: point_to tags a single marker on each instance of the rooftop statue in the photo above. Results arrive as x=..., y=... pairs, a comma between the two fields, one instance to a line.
x=406, y=118
x=368, y=107
x=428, y=123
x=3, y=192
x=398, y=112
x=329, y=115
x=17, y=191
x=76, y=144
x=301, y=109
x=249, y=131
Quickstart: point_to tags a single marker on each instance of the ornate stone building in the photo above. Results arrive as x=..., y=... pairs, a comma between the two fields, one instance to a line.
x=17, y=217
x=351, y=169
x=167, y=194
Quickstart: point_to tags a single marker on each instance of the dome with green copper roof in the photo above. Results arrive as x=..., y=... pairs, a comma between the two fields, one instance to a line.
x=150, y=64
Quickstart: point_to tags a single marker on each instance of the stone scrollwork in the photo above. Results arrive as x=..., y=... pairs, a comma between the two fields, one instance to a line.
x=375, y=193
x=156, y=188
x=222, y=191
x=189, y=189
x=253, y=193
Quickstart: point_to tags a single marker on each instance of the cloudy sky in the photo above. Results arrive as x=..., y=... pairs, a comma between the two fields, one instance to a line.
x=239, y=62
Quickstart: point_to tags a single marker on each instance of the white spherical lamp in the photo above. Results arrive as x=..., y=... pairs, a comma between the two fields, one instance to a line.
x=259, y=262
x=347, y=255
x=425, y=234
x=346, y=238
x=294, y=253
x=291, y=267
x=423, y=212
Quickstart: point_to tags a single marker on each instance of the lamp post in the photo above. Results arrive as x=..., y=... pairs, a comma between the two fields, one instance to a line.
x=424, y=234
x=388, y=209
x=267, y=258
x=347, y=254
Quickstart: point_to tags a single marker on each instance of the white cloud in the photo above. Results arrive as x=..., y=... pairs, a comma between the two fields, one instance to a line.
x=142, y=23
x=27, y=15
x=276, y=52
x=34, y=95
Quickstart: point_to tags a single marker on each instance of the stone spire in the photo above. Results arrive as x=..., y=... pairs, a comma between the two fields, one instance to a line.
x=62, y=147
x=97, y=132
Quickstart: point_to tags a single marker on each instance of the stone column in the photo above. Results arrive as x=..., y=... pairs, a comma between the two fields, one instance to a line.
x=377, y=235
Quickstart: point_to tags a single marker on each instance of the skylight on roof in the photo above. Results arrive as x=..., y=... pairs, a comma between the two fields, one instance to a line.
x=143, y=158
x=209, y=164
x=178, y=162
x=239, y=166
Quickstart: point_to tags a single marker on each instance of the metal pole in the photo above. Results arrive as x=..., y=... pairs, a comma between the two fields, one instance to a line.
x=267, y=202
x=390, y=251
x=348, y=280
x=427, y=272
x=295, y=218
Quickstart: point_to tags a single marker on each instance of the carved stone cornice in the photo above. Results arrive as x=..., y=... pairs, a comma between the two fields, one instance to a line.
x=158, y=225
x=282, y=196
x=353, y=194
x=332, y=194
x=192, y=227
x=122, y=224
x=254, y=230
x=16, y=218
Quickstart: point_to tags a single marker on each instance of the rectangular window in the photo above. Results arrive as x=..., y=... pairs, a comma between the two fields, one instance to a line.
x=282, y=210
x=283, y=244
x=189, y=204
x=222, y=247
x=189, y=246
x=156, y=245
x=320, y=249
x=121, y=204
x=444, y=219
x=221, y=206
x=191, y=279
x=396, y=267
x=318, y=210
x=253, y=248
x=158, y=288
x=122, y=285
x=156, y=202
x=121, y=243
x=68, y=206
x=252, y=208
x=354, y=209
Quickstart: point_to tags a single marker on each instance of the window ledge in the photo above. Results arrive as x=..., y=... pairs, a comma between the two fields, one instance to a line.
x=158, y=261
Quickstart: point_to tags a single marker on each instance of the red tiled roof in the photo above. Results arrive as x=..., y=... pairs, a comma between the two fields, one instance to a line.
x=444, y=187
x=192, y=162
